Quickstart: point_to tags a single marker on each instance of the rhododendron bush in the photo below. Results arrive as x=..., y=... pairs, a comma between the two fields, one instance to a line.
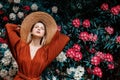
x=93, y=52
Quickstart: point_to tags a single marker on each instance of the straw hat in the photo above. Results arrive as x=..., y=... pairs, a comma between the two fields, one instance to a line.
x=34, y=17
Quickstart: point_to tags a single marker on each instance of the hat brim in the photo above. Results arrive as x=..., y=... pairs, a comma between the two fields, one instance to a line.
x=34, y=17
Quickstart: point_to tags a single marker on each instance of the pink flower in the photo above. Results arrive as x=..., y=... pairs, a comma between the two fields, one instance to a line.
x=70, y=53
x=118, y=39
x=73, y=54
x=89, y=70
x=100, y=54
x=78, y=56
x=111, y=66
x=27, y=8
x=109, y=29
x=92, y=50
x=2, y=40
x=108, y=57
x=57, y=70
x=86, y=23
x=114, y=10
x=95, y=60
x=76, y=22
x=59, y=28
x=1, y=12
x=97, y=71
x=76, y=47
x=93, y=37
x=118, y=7
x=104, y=6
x=5, y=18
x=90, y=36
x=84, y=36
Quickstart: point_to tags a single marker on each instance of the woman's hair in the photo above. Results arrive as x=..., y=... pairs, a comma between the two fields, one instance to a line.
x=43, y=39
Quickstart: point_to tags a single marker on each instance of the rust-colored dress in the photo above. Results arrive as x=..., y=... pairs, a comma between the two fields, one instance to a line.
x=31, y=69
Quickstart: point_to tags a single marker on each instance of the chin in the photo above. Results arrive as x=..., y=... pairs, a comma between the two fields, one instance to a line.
x=39, y=36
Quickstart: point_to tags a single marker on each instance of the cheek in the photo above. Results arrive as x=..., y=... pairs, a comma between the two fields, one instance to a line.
x=34, y=30
x=43, y=33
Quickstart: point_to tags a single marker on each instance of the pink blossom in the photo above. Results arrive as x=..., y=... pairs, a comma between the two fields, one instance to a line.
x=76, y=47
x=114, y=10
x=104, y=6
x=70, y=53
x=5, y=18
x=76, y=22
x=111, y=66
x=108, y=57
x=84, y=36
x=92, y=37
x=89, y=70
x=100, y=54
x=2, y=40
x=118, y=7
x=109, y=29
x=59, y=28
x=92, y=50
x=86, y=23
x=1, y=12
x=27, y=8
x=57, y=70
x=78, y=56
x=95, y=60
x=118, y=39
x=97, y=71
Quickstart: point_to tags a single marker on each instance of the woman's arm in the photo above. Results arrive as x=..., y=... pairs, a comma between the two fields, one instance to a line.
x=56, y=45
x=13, y=37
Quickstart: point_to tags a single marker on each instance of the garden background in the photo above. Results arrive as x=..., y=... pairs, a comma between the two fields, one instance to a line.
x=93, y=52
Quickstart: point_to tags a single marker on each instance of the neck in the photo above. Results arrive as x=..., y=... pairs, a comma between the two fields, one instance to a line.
x=35, y=42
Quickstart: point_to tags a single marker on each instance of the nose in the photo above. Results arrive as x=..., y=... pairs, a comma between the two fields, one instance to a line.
x=38, y=28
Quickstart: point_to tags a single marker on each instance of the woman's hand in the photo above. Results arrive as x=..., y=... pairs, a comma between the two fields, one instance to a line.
x=18, y=29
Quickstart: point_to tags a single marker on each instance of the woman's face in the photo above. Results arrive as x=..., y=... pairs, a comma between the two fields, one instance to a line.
x=38, y=30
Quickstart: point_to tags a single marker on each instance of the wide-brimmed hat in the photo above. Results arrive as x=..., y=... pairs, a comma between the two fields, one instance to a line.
x=34, y=17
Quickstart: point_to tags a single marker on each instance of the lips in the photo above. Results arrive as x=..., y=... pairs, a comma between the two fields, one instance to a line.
x=38, y=31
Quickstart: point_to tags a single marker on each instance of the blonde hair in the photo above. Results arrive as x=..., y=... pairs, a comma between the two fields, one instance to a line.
x=29, y=38
x=43, y=40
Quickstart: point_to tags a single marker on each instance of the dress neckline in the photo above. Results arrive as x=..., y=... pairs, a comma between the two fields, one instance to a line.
x=36, y=53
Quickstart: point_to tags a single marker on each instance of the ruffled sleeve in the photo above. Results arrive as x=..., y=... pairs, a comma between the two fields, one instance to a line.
x=13, y=37
x=56, y=45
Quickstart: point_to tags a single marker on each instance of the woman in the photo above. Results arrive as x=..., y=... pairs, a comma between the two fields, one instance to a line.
x=37, y=45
